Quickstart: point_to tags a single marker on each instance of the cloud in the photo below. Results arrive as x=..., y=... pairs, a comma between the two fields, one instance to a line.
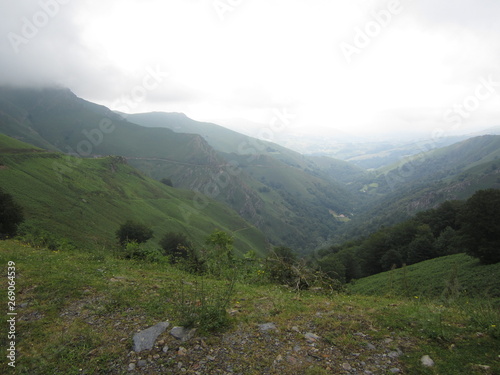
x=265, y=54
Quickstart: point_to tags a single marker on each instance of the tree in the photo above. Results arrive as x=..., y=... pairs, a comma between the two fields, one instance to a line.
x=132, y=231
x=422, y=247
x=167, y=181
x=480, y=219
x=11, y=215
x=175, y=245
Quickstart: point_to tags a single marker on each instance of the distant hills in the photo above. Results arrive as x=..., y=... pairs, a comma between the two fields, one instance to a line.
x=295, y=200
x=87, y=199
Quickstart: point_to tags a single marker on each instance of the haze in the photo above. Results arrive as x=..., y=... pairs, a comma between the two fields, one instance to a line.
x=359, y=67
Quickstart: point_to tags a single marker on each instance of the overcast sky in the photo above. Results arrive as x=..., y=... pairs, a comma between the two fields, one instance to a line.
x=359, y=66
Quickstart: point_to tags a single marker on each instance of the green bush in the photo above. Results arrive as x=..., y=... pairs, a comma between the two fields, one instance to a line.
x=30, y=232
x=205, y=306
x=132, y=231
x=134, y=250
x=11, y=215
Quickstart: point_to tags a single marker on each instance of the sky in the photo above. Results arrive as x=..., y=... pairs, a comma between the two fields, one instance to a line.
x=362, y=67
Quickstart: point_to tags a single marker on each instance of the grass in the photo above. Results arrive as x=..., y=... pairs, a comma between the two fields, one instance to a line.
x=446, y=277
x=93, y=197
x=80, y=310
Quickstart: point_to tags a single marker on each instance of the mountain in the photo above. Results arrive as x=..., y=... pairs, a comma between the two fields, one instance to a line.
x=284, y=194
x=426, y=180
x=86, y=200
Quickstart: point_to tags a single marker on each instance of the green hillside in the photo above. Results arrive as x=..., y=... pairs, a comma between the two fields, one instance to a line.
x=293, y=211
x=455, y=276
x=87, y=199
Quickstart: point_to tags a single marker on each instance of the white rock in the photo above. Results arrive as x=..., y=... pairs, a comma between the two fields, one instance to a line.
x=427, y=361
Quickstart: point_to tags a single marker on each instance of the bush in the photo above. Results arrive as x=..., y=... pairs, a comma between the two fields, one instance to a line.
x=176, y=246
x=205, y=306
x=134, y=250
x=11, y=215
x=31, y=233
x=132, y=231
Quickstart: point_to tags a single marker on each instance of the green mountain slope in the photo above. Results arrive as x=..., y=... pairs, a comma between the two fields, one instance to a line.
x=459, y=275
x=87, y=199
x=296, y=213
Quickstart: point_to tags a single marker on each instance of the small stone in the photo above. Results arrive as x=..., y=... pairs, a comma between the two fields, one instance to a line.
x=395, y=370
x=183, y=334
x=296, y=329
x=346, y=366
x=394, y=354
x=142, y=363
x=267, y=326
x=210, y=358
x=131, y=366
x=370, y=346
x=311, y=337
x=427, y=361
x=182, y=351
x=279, y=358
x=165, y=349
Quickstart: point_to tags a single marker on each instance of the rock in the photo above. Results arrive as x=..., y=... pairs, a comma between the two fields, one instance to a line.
x=267, y=327
x=394, y=354
x=371, y=346
x=395, y=370
x=346, y=366
x=311, y=337
x=182, y=351
x=142, y=363
x=183, y=334
x=145, y=340
x=131, y=366
x=427, y=361
x=165, y=349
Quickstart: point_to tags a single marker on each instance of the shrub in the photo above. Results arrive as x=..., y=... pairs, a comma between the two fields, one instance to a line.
x=205, y=306
x=176, y=246
x=11, y=215
x=134, y=250
x=132, y=231
x=33, y=234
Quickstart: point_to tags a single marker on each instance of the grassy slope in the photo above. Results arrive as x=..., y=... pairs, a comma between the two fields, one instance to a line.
x=80, y=310
x=430, y=279
x=92, y=197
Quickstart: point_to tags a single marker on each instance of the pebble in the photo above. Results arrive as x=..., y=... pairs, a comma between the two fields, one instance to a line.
x=346, y=366
x=267, y=326
x=311, y=337
x=427, y=361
